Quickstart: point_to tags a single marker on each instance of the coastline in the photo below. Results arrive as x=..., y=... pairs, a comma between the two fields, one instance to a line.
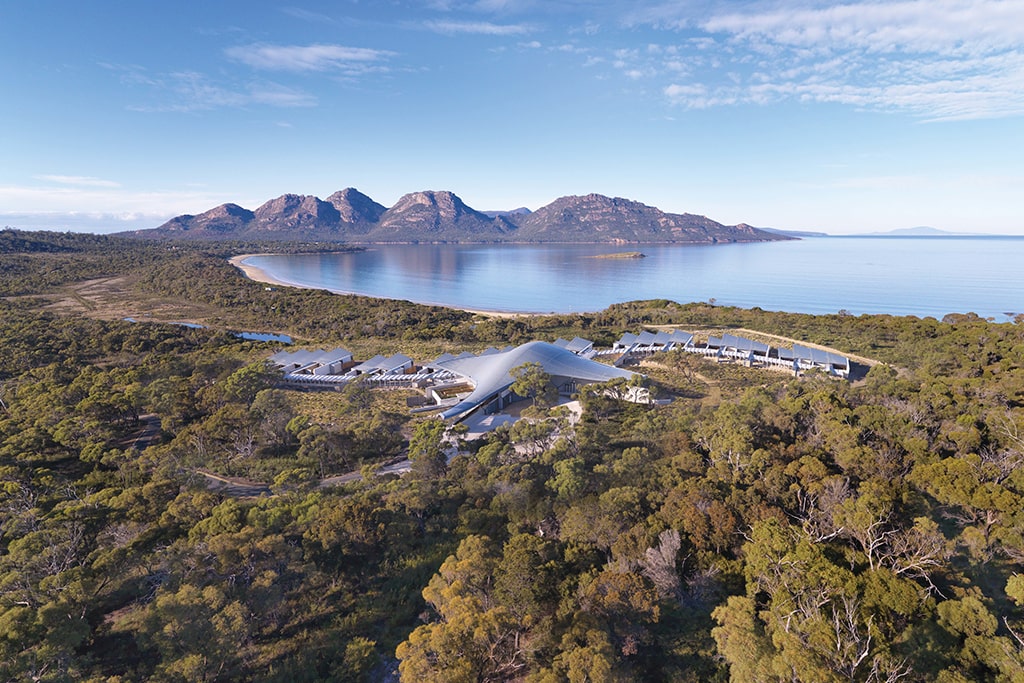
x=257, y=274
x=876, y=276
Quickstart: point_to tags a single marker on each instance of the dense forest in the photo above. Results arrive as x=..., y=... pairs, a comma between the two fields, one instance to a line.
x=752, y=526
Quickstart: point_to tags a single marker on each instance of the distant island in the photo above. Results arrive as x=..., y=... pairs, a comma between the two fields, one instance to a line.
x=799, y=234
x=919, y=231
x=441, y=216
x=621, y=255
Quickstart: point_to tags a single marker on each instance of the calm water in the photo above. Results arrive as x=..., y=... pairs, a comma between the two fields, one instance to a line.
x=901, y=276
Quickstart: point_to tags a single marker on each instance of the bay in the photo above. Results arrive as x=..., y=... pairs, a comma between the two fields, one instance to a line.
x=920, y=276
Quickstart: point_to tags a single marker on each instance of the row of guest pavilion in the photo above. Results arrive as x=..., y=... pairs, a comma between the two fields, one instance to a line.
x=460, y=385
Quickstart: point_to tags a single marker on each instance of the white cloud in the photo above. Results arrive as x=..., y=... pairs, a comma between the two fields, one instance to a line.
x=501, y=5
x=83, y=222
x=84, y=181
x=677, y=92
x=883, y=182
x=697, y=96
x=483, y=6
x=307, y=15
x=650, y=62
x=636, y=74
x=189, y=91
x=98, y=208
x=922, y=26
x=476, y=27
x=278, y=95
x=933, y=59
x=305, y=57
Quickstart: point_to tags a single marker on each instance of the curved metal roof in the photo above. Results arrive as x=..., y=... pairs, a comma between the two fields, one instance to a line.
x=491, y=374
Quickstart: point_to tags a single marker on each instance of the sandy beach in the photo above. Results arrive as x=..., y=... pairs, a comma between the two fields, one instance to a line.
x=253, y=273
x=259, y=275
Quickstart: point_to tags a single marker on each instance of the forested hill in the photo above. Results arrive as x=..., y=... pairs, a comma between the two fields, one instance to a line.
x=25, y=242
x=165, y=516
x=430, y=216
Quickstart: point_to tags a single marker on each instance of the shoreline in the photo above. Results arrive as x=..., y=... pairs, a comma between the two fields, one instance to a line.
x=257, y=274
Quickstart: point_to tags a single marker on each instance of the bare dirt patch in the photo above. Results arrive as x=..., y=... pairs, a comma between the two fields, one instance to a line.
x=115, y=298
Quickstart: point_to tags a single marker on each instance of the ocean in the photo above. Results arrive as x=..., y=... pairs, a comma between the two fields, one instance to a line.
x=919, y=276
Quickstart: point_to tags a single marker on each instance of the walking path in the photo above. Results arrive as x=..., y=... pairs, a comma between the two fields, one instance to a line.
x=235, y=486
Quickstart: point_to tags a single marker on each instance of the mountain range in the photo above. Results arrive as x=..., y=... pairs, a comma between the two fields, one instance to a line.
x=440, y=216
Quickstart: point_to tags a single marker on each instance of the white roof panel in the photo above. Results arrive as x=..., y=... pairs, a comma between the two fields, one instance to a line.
x=627, y=339
x=492, y=374
x=303, y=357
x=819, y=356
x=743, y=344
x=579, y=344
x=680, y=337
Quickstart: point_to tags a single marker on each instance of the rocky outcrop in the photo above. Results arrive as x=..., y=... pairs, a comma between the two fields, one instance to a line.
x=296, y=213
x=595, y=217
x=356, y=208
x=437, y=216
x=222, y=221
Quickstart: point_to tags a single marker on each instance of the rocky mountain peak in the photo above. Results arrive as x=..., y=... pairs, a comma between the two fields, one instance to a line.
x=229, y=209
x=438, y=215
x=222, y=219
x=445, y=204
x=355, y=207
x=287, y=203
x=296, y=211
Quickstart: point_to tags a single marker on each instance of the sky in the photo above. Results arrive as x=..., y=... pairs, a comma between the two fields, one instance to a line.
x=850, y=117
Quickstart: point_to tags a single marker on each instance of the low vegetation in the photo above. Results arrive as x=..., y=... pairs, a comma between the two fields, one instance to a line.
x=756, y=528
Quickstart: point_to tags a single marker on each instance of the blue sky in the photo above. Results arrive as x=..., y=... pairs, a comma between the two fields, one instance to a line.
x=845, y=118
